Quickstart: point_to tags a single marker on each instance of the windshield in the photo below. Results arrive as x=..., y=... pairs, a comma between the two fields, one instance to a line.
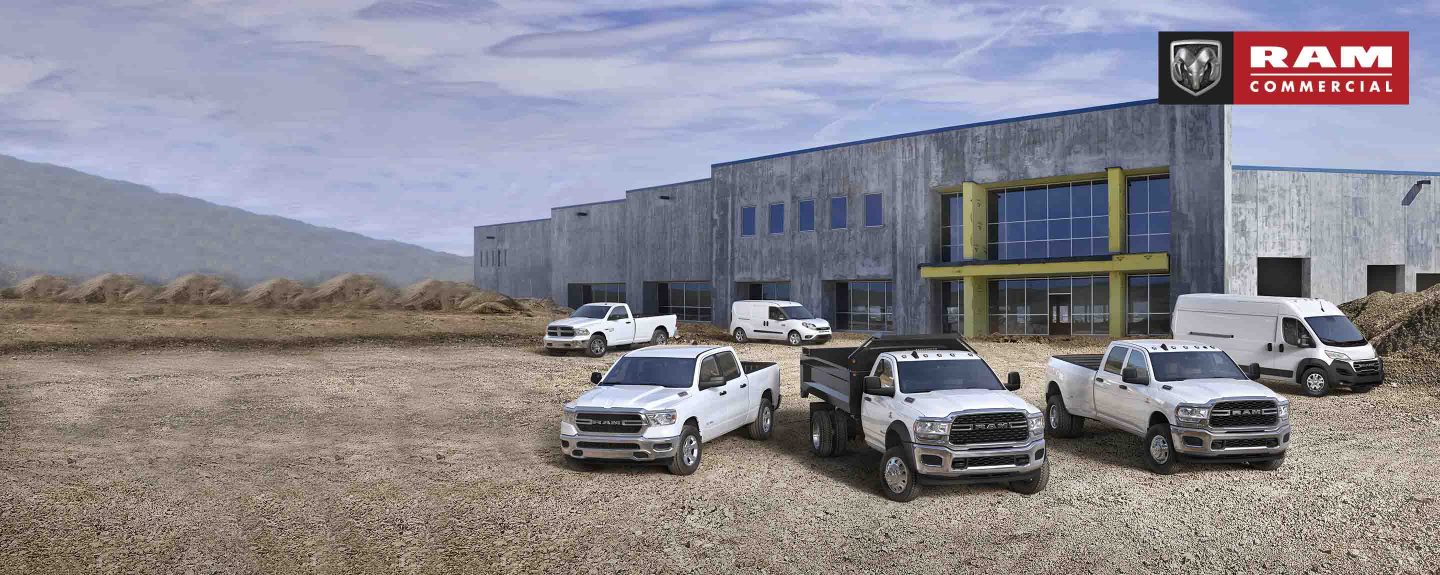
x=1336, y=330
x=923, y=376
x=1183, y=365
x=796, y=312
x=591, y=311
x=661, y=371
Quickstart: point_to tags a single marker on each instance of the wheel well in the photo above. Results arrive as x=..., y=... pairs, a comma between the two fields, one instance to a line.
x=1158, y=418
x=662, y=329
x=692, y=421
x=766, y=395
x=896, y=435
x=891, y=439
x=1305, y=365
x=1052, y=389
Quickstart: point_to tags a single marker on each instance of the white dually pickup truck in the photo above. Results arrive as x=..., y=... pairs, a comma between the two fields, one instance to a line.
x=659, y=404
x=932, y=406
x=597, y=327
x=1188, y=400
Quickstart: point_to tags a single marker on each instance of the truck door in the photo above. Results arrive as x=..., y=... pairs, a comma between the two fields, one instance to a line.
x=875, y=410
x=622, y=326
x=1293, y=343
x=1109, y=398
x=738, y=395
x=1136, y=401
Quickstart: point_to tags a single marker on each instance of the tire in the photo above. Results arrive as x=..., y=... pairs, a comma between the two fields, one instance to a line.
x=659, y=337
x=764, y=422
x=822, y=432
x=840, y=424
x=687, y=456
x=1058, y=420
x=1316, y=383
x=574, y=464
x=597, y=346
x=1271, y=465
x=1362, y=388
x=793, y=338
x=1036, y=485
x=739, y=334
x=1158, y=452
x=898, y=480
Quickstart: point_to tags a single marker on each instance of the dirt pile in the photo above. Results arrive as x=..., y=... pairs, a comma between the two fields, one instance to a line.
x=41, y=287
x=104, y=288
x=1405, y=329
x=456, y=296
x=277, y=292
x=195, y=289
x=349, y=290
x=543, y=306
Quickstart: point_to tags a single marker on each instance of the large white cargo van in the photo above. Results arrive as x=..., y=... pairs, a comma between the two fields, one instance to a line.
x=1303, y=340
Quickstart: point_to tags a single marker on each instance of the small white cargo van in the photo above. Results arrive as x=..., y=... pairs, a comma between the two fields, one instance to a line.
x=775, y=319
x=1303, y=340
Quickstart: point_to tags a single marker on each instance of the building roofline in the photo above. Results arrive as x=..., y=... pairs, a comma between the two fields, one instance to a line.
x=1248, y=168
x=588, y=204
x=531, y=221
x=945, y=129
x=648, y=188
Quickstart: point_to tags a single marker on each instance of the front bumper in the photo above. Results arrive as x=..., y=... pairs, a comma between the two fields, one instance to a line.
x=1346, y=373
x=1211, y=444
x=618, y=448
x=560, y=342
x=978, y=464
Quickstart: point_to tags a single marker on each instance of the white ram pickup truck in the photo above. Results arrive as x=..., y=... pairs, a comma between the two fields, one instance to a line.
x=1188, y=400
x=659, y=404
x=597, y=327
x=932, y=406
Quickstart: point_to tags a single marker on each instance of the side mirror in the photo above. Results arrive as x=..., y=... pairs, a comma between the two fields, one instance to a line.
x=1253, y=371
x=1305, y=341
x=1132, y=376
x=1012, y=381
x=595, y=377
x=873, y=387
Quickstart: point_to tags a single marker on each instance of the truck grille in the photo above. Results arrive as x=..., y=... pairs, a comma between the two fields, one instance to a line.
x=1244, y=413
x=994, y=460
x=609, y=422
x=1242, y=443
x=1367, y=367
x=607, y=445
x=560, y=331
x=1004, y=427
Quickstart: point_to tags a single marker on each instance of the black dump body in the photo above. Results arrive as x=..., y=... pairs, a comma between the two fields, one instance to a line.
x=1090, y=361
x=837, y=374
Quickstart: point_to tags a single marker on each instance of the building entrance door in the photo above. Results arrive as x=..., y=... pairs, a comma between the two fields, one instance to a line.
x=1060, y=314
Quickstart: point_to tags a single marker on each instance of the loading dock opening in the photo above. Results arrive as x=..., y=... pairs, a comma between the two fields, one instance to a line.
x=1284, y=277
x=1384, y=278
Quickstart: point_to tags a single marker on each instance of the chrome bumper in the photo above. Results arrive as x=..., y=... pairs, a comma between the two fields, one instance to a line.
x=576, y=342
x=1210, y=442
x=956, y=463
x=623, y=448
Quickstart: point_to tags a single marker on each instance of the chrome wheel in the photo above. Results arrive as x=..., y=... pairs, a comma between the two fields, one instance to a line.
x=1315, y=382
x=1160, y=449
x=660, y=338
x=794, y=338
x=897, y=476
x=815, y=434
x=597, y=346
x=690, y=451
x=739, y=335
x=1054, y=416
x=767, y=419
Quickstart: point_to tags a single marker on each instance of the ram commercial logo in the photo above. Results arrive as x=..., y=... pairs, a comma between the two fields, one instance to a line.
x=1284, y=68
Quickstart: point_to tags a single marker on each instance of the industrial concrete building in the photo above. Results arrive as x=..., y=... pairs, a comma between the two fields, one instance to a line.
x=1082, y=222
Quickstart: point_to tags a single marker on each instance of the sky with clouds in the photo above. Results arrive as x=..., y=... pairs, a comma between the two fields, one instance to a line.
x=415, y=120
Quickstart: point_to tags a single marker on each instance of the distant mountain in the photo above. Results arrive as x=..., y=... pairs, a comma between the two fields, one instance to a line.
x=57, y=220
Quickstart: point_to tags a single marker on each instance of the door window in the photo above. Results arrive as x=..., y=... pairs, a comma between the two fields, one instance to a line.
x=776, y=314
x=1115, y=362
x=886, y=373
x=709, y=370
x=617, y=313
x=729, y=367
x=1138, y=361
x=1292, y=330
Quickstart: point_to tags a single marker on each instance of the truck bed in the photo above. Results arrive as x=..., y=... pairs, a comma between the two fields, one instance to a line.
x=754, y=366
x=1090, y=361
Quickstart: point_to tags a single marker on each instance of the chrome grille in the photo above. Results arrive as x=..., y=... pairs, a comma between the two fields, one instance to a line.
x=609, y=422
x=560, y=331
x=1366, y=367
x=1250, y=413
x=1002, y=427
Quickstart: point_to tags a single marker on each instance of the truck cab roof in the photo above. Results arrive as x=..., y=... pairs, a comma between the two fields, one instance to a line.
x=681, y=351
x=1167, y=345
x=928, y=355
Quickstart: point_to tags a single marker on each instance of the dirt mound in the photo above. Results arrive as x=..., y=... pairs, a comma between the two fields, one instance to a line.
x=1405, y=328
x=195, y=289
x=434, y=294
x=277, y=292
x=349, y=290
x=543, y=306
x=141, y=294
x=41, y=287
x=486, y=301
x=104, y=288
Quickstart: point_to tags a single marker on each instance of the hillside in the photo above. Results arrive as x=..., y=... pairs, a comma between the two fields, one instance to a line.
x=61, y=221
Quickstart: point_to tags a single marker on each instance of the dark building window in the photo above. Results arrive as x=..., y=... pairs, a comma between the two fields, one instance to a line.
x=1148, y=305
x=747, y=221
x=874, y=216
x=952, y=227
x=766, y=290
x=1032, y=306
x=807, y=215
x=1426, y=281
x=839, y=212
x=581, y=294
x=952, y=306
x=1050, y=221
x=689, y=301
x=1147, y=201
x=777, y=218
x=865, y=306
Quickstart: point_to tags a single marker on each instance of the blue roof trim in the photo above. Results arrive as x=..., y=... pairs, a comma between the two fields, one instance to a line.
x=947, y=129
x=646, y=189
x=587, y=204
x=1334, y=170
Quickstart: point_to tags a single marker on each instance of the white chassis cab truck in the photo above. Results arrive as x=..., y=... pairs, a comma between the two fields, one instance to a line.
x=597, y=327
x=932, y=406
x=659, y=404
x=1188, y=400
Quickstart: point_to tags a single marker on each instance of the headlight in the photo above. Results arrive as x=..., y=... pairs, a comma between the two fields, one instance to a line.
x=582, y=331
x=932, y=429
x=1337, y=355
x=1285, y=410
x=570, y=415
x=666, y=417
x=1192, y=414
x=808, y=325
x=1037, y=424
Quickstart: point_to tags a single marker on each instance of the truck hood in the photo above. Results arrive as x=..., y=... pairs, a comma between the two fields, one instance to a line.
x=648, y=397
x=942, y=403
x=575, y=322
x=1205, y=390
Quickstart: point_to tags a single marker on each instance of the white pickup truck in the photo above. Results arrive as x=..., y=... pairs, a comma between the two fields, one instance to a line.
x=597, y=327
x=659, y=404
x=932, y=406
x=1188, y=400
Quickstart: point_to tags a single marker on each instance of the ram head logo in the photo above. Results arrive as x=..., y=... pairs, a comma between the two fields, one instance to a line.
x=1195, y=65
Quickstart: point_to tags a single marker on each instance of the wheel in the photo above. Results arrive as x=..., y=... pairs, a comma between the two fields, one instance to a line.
x=764, y=421
x=574, y=464
x=897, y=476
x=1159, y=453
x=1317, y=383
x=1035, y=485
x=687, y=458
x=740, y=335
x=840, y=425
x=1270, y=465
x=822, y=432
x=1058, y=421
x=659, y=337
x=1362, y=388
x=597, y=347
x=793, y=338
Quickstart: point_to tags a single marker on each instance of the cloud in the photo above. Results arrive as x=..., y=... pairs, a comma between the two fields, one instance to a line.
x=423, y=9
x=741, y=49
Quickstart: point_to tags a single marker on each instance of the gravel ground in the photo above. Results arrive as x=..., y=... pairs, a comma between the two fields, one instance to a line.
x=442, y=458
